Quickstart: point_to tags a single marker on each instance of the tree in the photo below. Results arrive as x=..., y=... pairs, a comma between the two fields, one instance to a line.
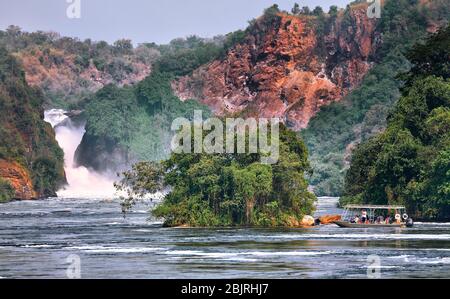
x=333, y=10
x=318, y=11
x=271, y=13
x=296, y=9
x=227, y=189
x=430, y=58
x=13, y=31
x=305, y=10
x=123, y=46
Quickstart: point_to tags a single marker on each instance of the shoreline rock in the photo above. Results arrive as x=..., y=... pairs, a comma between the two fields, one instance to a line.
x=329, y=219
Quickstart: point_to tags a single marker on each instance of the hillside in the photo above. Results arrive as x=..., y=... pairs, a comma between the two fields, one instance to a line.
x=331, y=75
x=31, y=162
x=335, y=131
x=409, y=163
x=135, y=123
x=287, y=66
x=68, y=70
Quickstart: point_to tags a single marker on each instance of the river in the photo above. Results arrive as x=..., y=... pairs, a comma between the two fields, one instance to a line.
x=84, y=226
x=36, y=237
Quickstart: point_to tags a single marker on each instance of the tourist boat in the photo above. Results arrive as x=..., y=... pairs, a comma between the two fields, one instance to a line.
x=376, y=216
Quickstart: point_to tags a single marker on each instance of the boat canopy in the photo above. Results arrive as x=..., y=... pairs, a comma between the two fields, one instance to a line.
x=374, y=207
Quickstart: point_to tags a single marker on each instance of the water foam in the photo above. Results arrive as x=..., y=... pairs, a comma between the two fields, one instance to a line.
x=82, y=182
x=108, y=250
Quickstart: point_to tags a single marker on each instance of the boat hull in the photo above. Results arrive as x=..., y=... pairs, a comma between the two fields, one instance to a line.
x=361, y=225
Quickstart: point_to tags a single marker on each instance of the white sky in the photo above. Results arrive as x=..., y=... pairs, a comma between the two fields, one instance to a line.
x=142, y=20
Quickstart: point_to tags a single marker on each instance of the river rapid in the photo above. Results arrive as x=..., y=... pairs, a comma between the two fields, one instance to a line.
x=37, y=237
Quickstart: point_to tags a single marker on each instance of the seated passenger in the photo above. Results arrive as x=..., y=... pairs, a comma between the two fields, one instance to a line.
x=364, y=216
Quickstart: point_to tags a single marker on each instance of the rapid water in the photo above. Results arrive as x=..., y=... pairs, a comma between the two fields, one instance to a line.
x=37, y=237
x=82, y=182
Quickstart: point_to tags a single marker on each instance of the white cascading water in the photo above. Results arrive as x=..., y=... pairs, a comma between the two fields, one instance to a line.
x=82, y=182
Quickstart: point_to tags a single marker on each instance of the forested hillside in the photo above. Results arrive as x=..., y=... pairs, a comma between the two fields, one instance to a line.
x=31, y=162
x=334, y=132
x=409, y=163
x=135, y=121
x=68, y=70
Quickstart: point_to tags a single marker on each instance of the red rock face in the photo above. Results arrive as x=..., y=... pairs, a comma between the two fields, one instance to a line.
x=287, y=69
x=19, y=178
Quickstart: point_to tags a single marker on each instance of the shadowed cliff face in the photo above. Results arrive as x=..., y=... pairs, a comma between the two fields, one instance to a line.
x=288, y=68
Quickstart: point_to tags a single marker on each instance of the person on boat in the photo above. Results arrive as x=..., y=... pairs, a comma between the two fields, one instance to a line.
x=364, y=216
x=398, y=218
x=356, y=220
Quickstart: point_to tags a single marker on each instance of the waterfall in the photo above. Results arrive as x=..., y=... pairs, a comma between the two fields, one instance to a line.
x=82, y=182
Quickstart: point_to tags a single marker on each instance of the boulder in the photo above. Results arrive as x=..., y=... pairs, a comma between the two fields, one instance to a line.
x=307, y=221
x=329, y=219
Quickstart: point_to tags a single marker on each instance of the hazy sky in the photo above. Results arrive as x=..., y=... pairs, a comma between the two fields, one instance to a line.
x=142, y=20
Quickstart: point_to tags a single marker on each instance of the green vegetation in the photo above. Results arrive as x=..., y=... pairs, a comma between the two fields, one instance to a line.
x=409, y=163
x=136, y=120
x=25, y=137
x=226, y=189
x=337, y=128
x=6, y=191
x=69, y=70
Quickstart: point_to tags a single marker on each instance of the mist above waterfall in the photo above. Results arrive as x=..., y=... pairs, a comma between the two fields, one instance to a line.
x=82, y=182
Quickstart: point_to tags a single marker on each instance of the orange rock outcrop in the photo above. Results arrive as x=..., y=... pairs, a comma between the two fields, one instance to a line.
x=19, y=178
x=329, y=219
x=288, y=69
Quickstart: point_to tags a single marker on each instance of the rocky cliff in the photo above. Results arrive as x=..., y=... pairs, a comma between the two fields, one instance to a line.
x=288, y=66
x=19, y=178
x=31, y=161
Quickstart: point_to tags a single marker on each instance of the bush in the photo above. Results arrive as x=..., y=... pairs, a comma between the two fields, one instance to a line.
x=6, y=191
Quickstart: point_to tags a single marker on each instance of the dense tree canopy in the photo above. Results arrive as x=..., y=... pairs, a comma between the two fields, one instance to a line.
x=226, y=189
x=409, y=163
